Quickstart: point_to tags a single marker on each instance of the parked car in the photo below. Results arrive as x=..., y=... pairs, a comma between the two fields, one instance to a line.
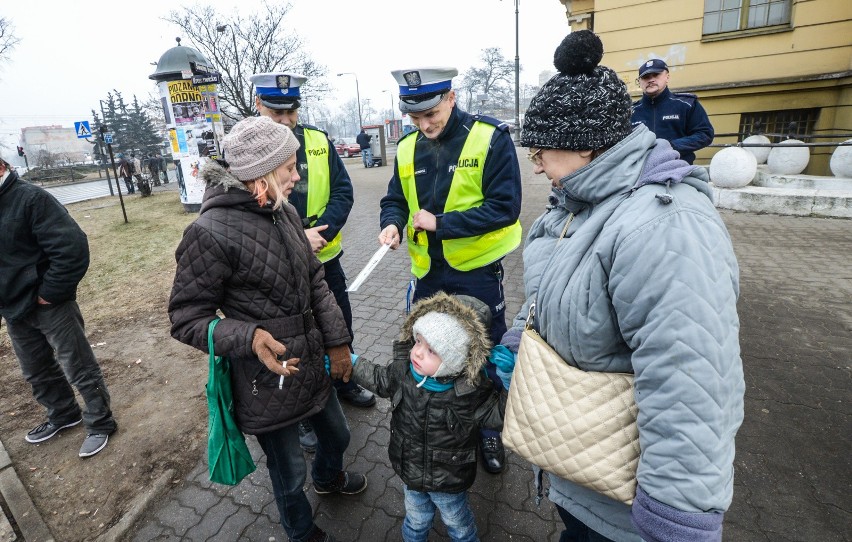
x=347, y=147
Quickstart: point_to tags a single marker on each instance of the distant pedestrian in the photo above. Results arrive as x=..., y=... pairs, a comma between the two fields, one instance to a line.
x=363, y=140
x=676, y=117
x=38, y=290
x=154, y=168
x=125, y=169
x=164, y=170
x=141, y=182
x=442, y=396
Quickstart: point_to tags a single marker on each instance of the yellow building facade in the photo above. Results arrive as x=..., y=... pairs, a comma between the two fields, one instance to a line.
x=758, y=66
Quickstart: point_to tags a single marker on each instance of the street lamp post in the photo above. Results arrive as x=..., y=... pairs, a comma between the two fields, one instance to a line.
x=517, y=79
x=358, y=96
x=221, y=28
x=393, y=115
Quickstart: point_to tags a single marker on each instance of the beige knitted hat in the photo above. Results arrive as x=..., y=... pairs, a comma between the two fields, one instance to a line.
x=257, y=145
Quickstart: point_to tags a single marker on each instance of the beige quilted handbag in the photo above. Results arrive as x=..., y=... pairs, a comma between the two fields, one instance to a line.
x=578, y=425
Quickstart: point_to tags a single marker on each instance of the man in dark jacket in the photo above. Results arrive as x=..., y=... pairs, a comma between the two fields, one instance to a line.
x=674, y=116
x=45, y=255
x=456, y=191
x=363, y=140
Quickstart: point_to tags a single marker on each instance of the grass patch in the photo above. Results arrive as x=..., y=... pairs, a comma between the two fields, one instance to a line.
x=132, y=265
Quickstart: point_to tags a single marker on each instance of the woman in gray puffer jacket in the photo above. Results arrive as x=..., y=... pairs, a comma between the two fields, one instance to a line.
x=247, y=256
x=631, y=269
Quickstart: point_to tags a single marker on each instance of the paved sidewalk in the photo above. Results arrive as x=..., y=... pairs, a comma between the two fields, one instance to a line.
x=793, y=462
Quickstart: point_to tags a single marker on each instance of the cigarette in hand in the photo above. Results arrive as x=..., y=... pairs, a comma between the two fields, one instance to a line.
x=281, y=380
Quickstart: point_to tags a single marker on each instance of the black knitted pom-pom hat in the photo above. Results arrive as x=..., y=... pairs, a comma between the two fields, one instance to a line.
x=583, y=107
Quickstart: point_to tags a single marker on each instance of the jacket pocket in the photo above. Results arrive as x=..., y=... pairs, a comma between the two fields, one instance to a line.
x=454, y=457
x=461, y=428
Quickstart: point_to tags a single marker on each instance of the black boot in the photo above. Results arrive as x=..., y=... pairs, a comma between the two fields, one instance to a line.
x=493, y=454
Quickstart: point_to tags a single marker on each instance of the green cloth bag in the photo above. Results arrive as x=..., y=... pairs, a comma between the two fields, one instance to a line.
x=228, y=456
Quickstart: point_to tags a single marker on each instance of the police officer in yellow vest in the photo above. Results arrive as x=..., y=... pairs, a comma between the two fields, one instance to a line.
x=456, y=193
x=322, y=197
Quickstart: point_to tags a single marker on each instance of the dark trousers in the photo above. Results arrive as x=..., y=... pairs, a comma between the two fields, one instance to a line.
x=576, y=530
x=485, y=284
x=128, y=181
x=288, y=471
x=54, y=353
x=336, y=280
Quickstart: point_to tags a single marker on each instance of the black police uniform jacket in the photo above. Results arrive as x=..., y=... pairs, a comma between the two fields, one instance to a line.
x=43, y=252
x=255, y=265
x=677, y=117
x=434, y=435
x=434, y=164
x=340, y=197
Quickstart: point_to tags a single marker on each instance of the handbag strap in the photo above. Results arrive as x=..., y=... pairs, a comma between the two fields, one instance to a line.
x=210, y=329
x=531, y=313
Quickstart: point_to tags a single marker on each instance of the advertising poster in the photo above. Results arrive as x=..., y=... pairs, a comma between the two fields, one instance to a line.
x=195, y=127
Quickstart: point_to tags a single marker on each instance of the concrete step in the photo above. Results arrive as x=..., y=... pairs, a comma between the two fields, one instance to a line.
x=785, y=201
x=811, y=182
x=794, y=195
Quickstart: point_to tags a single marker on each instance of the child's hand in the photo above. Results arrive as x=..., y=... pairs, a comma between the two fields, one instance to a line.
x=504, y=359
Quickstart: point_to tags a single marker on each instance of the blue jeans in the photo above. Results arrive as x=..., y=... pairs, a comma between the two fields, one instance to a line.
x=54, y=353
x=420, y=512
x=367, y=157
x=576, y=530
x=288, y=471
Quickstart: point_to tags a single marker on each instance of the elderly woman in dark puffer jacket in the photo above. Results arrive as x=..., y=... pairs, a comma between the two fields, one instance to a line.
x=247, y=256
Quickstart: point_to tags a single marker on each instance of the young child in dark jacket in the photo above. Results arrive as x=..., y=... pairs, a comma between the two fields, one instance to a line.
x=441, y=397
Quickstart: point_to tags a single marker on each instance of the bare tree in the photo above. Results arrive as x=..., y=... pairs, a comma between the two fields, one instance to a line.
x=493, y=79
x=8, y=39
x=240, y=46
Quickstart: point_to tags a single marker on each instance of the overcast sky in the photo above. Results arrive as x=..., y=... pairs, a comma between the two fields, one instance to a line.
x=72, y=53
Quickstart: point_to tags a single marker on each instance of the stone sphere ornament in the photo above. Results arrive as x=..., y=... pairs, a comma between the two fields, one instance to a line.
x=785, y=160
x=841, y=161
x=761, y=153
x=733, y=167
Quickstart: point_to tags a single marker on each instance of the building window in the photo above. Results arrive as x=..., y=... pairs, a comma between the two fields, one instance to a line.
x=731, y=15
x=777, y=125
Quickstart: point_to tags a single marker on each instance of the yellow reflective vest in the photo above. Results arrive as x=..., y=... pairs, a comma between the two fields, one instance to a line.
x=464, y=253
x=319, y=186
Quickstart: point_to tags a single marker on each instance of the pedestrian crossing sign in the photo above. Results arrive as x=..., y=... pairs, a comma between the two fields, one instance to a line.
x=82, y=129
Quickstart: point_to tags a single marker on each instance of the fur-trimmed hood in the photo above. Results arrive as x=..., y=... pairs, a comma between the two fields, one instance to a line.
x=473, y=314
x=213, y=174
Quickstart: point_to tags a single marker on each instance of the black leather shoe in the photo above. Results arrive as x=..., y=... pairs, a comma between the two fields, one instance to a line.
x=493, y=454
x=358, y=397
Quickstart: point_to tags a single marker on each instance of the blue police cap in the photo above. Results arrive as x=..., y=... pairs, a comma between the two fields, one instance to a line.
x=278, y=90
x=422, y=88
x=655, y=65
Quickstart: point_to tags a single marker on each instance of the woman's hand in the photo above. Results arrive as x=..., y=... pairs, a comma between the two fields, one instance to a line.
x=341, y=362
x=268, y=351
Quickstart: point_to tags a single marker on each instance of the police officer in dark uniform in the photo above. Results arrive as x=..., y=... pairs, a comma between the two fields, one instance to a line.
x=674, y=116
x=322, y=197
x=456, y=193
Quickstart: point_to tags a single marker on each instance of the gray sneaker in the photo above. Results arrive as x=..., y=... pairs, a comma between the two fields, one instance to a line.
x=46, y=430
x=94, y=443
